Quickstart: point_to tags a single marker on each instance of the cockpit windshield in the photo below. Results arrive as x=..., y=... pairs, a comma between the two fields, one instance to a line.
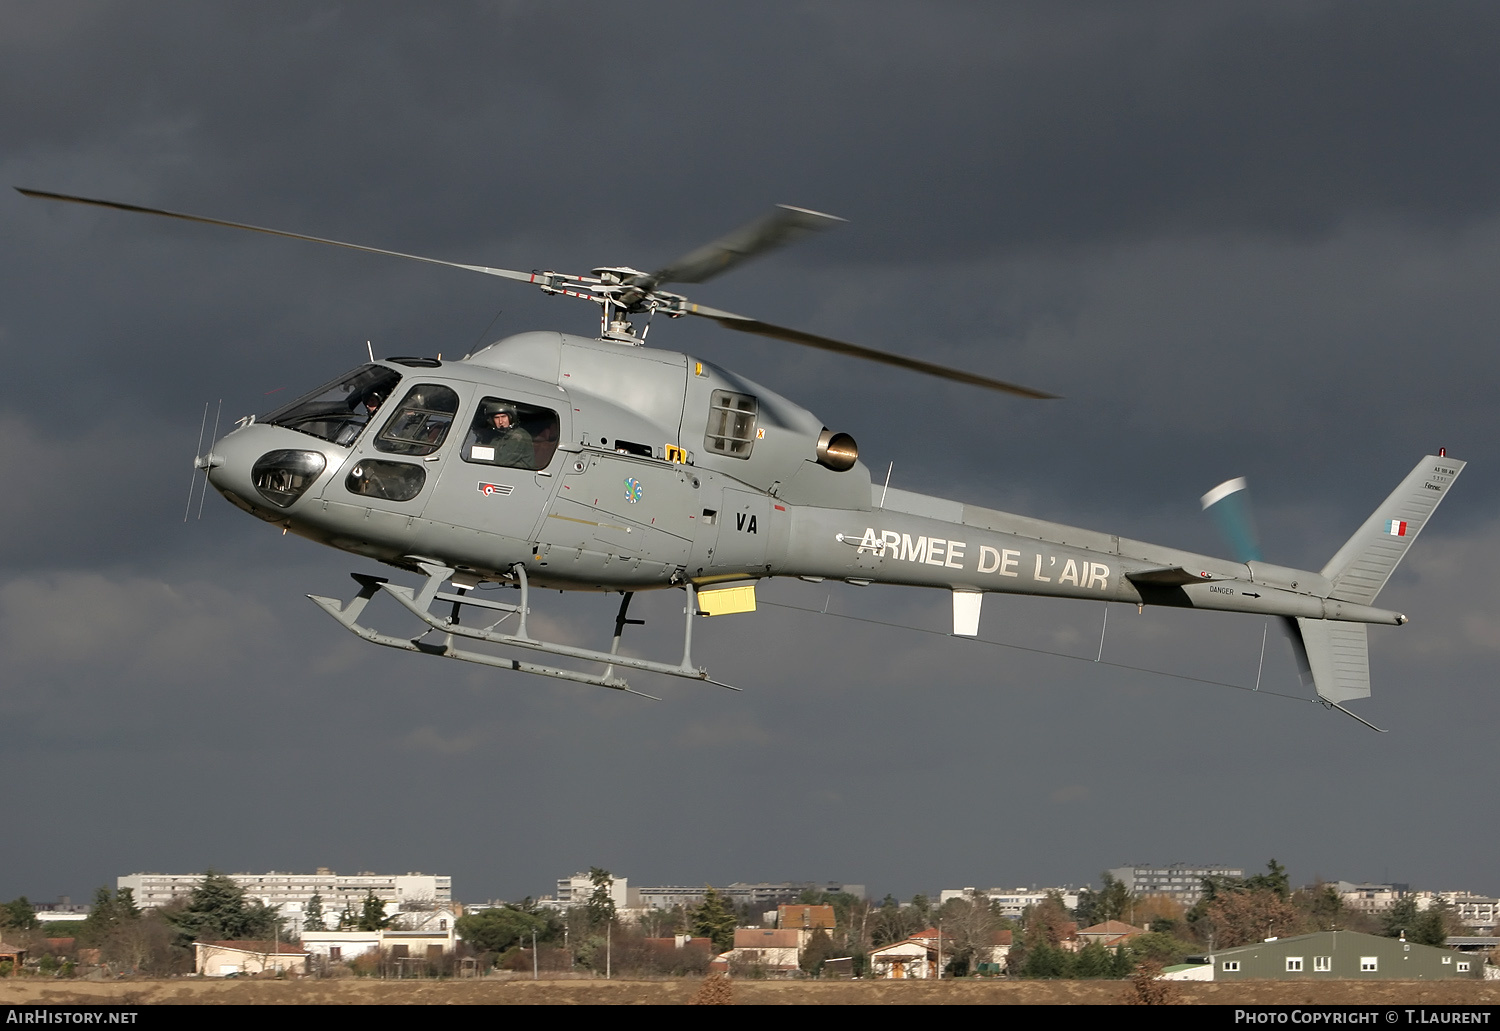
x=338, y=411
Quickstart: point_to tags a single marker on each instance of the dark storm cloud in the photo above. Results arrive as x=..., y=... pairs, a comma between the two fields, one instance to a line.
x=1240, y=238
x=946, y=126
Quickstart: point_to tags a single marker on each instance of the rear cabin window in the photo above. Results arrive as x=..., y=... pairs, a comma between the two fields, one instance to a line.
x=511, y=434
x=420, y=425
x=731, y=424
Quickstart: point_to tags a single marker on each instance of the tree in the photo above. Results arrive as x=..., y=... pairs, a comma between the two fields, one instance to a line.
x=818, y=949
x=18, y=914
x=923, y=905
x=662, y=923
x=218, y=910
x=141, y=944
x=1241, y=917
x=1434, y=924
x=1094, y=960
x=1162, y=947
x=372, y=914
x=498, y=929
x=713, y=920
x=1045, y=926
x=1044, y=960
x=1322, y=906
x=894, y=922
x=1274, y=879
x=601, y=904
x=969, y=925
x=1112, y=902
x=1047, y=921
x=108, y=912
x=1400, y=917
x=313, y=921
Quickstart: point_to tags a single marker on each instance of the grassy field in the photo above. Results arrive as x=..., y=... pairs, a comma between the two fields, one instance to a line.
x=355, y=992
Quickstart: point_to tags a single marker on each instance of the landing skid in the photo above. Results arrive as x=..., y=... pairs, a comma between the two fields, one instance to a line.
x=418, y=602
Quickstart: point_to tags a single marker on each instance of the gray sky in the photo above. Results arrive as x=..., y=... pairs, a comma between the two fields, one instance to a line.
x=1242, y=238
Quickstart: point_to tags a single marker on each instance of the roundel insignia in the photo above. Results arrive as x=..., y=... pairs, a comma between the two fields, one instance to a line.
x=633, y=490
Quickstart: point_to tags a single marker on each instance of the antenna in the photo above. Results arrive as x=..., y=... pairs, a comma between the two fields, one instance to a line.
x=202, y=496
x=371, y=348
x=193, y=479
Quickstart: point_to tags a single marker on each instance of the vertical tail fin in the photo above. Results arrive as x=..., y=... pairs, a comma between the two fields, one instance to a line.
x=1367, y=560
x=1333, y=658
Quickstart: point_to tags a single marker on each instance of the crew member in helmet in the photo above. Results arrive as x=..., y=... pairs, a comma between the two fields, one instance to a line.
x=502, y=431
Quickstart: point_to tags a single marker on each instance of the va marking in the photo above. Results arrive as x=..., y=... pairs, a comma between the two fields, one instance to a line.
x=939, y=551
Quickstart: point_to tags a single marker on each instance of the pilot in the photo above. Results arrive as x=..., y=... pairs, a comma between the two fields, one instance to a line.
x=372, y=402
x=512, y=444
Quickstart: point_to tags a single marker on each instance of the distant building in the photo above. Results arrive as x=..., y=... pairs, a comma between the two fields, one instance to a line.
x=1180, y=881
x=903, y=961
x=1371, y=899
x=759, y=896
x=1011, y=901
x=774, y=951
x=64, y=909
x=223, y=958
x=412, y=893
x=577, y=889
x=1109, y=934
x=429, y=943
x=1340, y=955
x=917, y=957
x=805, y=918
x=1477, y=912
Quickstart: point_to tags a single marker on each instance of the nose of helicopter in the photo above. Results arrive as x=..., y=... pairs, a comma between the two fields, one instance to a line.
x=265, y=469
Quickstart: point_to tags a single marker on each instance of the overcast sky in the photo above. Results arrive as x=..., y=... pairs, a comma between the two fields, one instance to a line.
x=1252, y=239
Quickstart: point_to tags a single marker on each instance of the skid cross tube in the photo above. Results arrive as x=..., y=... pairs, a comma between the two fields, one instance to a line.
x=348, y=615
x=418, y=602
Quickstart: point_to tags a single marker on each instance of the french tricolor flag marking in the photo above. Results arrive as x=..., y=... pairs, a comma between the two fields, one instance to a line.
x=1395, y=527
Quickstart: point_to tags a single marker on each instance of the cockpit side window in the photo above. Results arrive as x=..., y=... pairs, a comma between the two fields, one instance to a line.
x=731, y=423
x=420, y=425
x=338, y=411
x=512, y=434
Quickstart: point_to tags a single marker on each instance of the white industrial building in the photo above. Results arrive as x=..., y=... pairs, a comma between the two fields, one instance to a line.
x=412, y=893
x=1011, y=901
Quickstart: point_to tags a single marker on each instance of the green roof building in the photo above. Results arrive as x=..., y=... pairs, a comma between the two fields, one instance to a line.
x=1340, y=955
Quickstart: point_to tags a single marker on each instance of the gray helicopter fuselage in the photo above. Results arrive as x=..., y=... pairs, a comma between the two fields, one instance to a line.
x=646, y=469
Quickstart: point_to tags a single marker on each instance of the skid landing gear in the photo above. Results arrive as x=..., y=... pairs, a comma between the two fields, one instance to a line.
x=418, y=602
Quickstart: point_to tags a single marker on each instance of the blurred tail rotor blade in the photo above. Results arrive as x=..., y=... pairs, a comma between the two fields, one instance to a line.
x=778, y=227
x=1230, y=504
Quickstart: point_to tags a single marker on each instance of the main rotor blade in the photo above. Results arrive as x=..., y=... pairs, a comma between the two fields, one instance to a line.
x=797, y=336
x=778, y=227
x=505, y=273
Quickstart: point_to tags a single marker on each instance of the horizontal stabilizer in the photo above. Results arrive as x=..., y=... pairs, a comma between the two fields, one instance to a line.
x=1367, y=560
x=1171, y=576
x=1334, y=658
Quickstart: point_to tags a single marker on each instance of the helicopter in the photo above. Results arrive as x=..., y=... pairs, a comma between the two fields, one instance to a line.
x=549, y=460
